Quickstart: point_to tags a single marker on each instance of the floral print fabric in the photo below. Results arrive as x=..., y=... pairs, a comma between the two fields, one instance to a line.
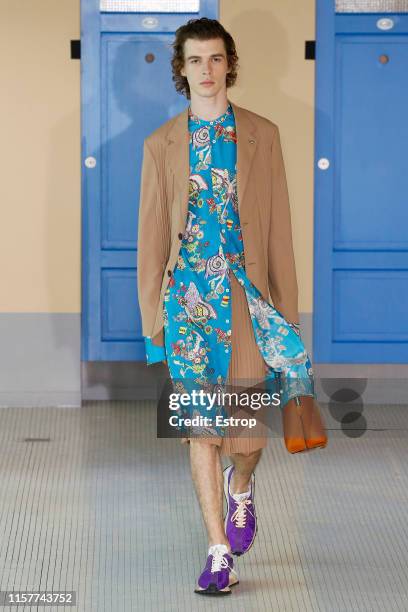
x=197, y=306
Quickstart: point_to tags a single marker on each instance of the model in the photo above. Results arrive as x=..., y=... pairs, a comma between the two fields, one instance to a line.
x=216, y=277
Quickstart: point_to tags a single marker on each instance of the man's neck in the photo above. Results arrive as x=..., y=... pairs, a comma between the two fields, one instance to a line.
x=209, y=108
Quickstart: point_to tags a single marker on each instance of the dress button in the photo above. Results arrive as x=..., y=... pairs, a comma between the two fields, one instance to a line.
x=214, y=140
x=169, y=272
x=180, y=235
x=227, y=320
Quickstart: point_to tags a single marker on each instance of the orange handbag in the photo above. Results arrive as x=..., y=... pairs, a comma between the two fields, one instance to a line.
x=303, y=427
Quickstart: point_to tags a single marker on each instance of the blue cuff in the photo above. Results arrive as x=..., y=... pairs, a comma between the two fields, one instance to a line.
x=154, y=353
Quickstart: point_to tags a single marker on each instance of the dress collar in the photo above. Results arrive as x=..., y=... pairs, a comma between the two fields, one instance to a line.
x=197, y=120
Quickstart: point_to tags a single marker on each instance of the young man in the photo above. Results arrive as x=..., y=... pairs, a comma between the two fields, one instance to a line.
x=216, y=273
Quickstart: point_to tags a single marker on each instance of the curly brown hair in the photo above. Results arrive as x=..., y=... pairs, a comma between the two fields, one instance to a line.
x=201, y=29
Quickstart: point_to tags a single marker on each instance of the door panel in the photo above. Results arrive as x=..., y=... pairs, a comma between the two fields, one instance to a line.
x=126, y=93
x=361, y=186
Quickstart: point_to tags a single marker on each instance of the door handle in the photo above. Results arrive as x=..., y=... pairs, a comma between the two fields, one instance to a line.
x=323, y=163
x=90, y=162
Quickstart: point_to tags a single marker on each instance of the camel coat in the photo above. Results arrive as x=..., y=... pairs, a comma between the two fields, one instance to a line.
x=263, y=205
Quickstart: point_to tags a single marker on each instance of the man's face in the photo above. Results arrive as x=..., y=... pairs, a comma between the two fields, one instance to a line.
x=205, y=66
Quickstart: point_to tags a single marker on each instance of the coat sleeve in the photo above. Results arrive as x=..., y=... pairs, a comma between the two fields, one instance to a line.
x=150, y=246
x=282, y=279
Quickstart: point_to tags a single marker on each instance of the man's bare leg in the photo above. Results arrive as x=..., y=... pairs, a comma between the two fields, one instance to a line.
x=206, y=470
x=244, y=465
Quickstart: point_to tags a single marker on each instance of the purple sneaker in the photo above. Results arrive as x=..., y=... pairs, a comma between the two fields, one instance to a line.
x=240, y=519
x=218, y=575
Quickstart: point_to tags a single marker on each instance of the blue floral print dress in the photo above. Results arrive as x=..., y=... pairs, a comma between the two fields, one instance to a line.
x=197, y=306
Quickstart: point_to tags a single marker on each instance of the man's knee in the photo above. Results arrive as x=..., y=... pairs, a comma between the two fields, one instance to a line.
x=200, y=443
x=253, y=455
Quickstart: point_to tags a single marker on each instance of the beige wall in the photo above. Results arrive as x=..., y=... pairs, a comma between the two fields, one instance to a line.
x=40, y=246
x=40, y=157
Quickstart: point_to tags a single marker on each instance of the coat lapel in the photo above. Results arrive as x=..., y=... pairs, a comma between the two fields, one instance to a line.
x=247, y=139
x=178, y=154
x=178, y=159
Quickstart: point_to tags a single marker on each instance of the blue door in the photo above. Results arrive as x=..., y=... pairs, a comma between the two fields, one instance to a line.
x=126, y=93
x=361, y=183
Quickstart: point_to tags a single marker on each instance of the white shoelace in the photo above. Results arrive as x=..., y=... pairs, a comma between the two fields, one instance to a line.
x=240, y=516
x=218, y=561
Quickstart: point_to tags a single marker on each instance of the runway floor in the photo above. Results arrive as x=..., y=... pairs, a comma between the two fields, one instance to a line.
x=92, y=501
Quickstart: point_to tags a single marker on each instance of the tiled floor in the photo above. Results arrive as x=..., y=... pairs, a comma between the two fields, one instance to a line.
x=95, y=503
